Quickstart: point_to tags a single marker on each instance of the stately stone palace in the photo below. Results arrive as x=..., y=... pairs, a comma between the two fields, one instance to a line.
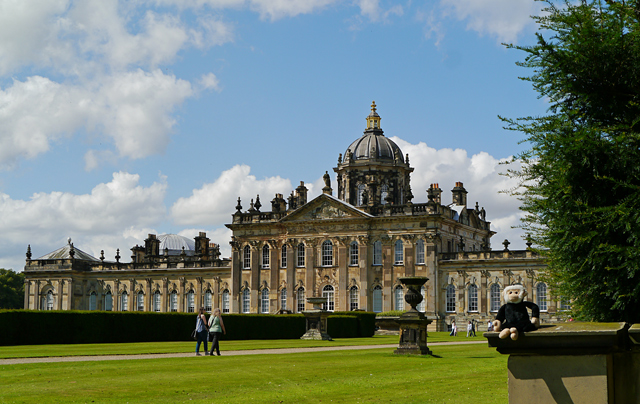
x=350, y=245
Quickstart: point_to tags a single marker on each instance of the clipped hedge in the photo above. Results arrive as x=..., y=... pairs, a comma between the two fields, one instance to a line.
x=27, y=327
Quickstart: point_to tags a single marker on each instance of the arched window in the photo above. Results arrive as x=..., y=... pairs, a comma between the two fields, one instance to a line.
x=208, y=301
x=225, y=301
x=283, y=257
x=565, y=304
x=353, y=298
x=377, y=252
x=140, y=301
x=451, y=298
x=384, y=191
x=494, y=297
x=246, y=300
x=541, y=296
x=124, y=301
x=49, y=300
x=377, y=299
x=191, y=302
x=265, y=256
x=473, y=298
x=174, y=301
x=264, y=301
x=93, y=301
x=328, y=293
x=360, y=194
x=327, y=253
x=300, y=299
x=423, y=304
x=156, y=301
x=108, y=301
x=420, y=251
x=398, y=298
x=353, y=253
x=399, y=253
x=300, y=257
x=246, y=257
x=283, y=299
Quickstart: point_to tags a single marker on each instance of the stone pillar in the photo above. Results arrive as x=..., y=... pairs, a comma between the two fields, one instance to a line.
x=433, y=288
x=199, y=294
x=342, y=294
x=274, y=276
x=409, y=257
x=366, y=276
x=27, y=284
x=36, y=295
x=165, y=295
x=256, y=260
x=148, y=304
x=484, y=290
x=236, y=277
x=573, y=363
x=291, y=275
x=181, y=297
x=387, y=274
x=309, y=273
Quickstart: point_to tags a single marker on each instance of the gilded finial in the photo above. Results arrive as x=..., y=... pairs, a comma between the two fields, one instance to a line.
x=373, y=107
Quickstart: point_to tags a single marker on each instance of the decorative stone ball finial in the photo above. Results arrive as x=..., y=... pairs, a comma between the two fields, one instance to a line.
x=239, y=206
x=29, y=252
x=258, y=205
x=506, y=243
x=102, y=255
x=118, y=255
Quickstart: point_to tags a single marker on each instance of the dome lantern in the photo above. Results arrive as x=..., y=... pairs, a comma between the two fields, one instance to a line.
x=373, y=120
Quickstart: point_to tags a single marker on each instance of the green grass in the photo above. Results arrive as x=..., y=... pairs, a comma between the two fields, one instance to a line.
x=458, y=374
x=34, y=351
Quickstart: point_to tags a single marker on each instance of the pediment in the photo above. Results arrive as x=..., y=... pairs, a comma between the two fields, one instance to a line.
x=325, y=207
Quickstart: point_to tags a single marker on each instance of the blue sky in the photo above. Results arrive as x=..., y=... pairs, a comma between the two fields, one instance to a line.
x=123, y=119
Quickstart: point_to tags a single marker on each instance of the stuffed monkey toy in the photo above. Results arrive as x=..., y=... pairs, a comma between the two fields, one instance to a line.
x=513, y=317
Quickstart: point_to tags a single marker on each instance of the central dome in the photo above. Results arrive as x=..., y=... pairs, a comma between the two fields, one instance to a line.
x=373, y=144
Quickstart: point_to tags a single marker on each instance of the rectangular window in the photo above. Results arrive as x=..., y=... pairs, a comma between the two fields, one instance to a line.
x=283, y=257
x=225, y=301
x=377, y=299
x=420, y=252
x=156, y=302
x=327, y=254
x=377, y=253
x=353, y=298
x=124, y=302
x=246, y=258
x=208, y=301
x=246, y=301
x=140, y=301
x=300, y=259
x=301, y=300
x=191, y=302
x=353, y=254
x=399, y=253
x=174, y=301
x=283, y=299
x=108, y=302
x=473, y=298
x=265, y=257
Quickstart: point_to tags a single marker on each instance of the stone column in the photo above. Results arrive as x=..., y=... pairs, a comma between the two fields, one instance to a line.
x=366, y=276
x=484, y=290
x=36, y=295
x=149, y=303
x=342, y=294
x=387, y=274
x=254, y=284
x=165, y=295
x=181, y=298
x=433, y=286
x=236, y=277
x=291, y=274
x=117, y=293
x=199, y=295
x=274, y=276
x=27, y=284
x=409, y=255
x=310, y=262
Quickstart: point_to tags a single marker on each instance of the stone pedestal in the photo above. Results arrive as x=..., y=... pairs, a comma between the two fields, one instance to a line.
x=412, y=323
x=573, y=363
x=316, y=320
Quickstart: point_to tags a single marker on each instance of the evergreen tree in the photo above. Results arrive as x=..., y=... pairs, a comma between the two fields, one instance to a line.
x=11, y=289
x=580, y=181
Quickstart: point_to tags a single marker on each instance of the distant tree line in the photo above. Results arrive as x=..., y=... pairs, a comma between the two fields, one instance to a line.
x=11, y=289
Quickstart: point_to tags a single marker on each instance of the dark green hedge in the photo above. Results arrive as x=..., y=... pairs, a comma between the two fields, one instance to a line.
x=26, y=327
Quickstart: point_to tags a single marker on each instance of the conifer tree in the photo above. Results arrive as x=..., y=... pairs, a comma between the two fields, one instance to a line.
x=580, y=178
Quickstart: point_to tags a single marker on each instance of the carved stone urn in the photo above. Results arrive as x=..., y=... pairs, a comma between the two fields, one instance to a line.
x=413, y=324
x=316, y=320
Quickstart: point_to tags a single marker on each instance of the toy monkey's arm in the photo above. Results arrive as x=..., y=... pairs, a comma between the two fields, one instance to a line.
x=535, y=313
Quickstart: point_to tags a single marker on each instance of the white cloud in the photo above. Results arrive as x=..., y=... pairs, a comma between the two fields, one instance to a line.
x=214, y=202
x=133, y=109
x=480, y=174
x=503, y=19
x=113, y=214
x=209, y=81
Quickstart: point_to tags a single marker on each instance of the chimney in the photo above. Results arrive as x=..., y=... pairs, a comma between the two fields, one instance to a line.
x=459, y=195
x=301, y=194
x=434, y=193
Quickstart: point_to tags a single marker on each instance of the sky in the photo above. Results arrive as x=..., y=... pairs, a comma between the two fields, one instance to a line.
x=121, y=119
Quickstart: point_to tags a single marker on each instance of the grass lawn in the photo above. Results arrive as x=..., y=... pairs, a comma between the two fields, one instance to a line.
x=458, y=374
x=33, y=351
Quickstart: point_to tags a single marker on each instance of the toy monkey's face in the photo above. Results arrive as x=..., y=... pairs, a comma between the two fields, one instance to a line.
x=514, y=295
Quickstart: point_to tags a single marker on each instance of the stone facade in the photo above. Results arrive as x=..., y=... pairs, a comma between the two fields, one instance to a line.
x=350, y=248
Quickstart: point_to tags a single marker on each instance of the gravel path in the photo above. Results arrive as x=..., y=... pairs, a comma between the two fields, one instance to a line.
x=17, y=361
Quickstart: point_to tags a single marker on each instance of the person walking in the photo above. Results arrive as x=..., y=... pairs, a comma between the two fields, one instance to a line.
x=454, y=328
x=201, y=332
x=473, y=327
x=469, y=329
x=216, y=327
x=489, y=325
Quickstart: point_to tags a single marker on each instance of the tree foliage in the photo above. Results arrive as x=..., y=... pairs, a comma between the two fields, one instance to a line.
x=580, y=182
x=11, y=289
